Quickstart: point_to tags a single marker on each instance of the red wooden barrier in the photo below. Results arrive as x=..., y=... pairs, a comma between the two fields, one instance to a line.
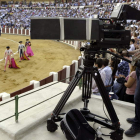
x=15, y=93
x=49, y=79
x=12, y=31
x=3, y=30
x=23, y=31
x=43, y=82
x=72, y=70
x=27, y=32
x=15, y=31
x=7, y=30
x=72, y=42
x=62, y=75
x=30, y=87
x=22, y=90
x=19, y=31
x=46, y=80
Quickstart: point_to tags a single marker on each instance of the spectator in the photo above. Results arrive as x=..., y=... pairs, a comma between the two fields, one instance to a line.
x=131, y=85
x=123, y=71
x=132, y=47
x=108, y=74
x=98, y=64
x=114, y=65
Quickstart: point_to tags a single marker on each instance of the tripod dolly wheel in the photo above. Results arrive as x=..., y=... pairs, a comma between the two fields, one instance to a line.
x=51, y=125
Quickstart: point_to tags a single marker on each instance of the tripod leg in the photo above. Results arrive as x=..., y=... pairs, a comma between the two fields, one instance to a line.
x=105, y=97
x=51, y=125
x=87, y=83
x=67, y=93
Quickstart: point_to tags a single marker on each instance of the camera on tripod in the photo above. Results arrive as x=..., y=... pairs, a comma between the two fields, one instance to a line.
x=102, y=34
x=111, y=35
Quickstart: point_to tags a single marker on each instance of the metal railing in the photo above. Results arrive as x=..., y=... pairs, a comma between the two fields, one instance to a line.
x=16, y=99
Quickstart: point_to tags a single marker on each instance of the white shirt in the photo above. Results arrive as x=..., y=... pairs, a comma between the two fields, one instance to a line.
x=132, y=47
x=8, y=52
x=108, y=77
x=21, y=47
x=94, y=86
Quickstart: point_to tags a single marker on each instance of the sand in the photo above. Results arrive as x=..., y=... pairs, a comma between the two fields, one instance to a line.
x=49, y=56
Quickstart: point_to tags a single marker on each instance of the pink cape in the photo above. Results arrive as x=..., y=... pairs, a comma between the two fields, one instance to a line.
x=14, y=64
x=25, y=57
x=29, y=51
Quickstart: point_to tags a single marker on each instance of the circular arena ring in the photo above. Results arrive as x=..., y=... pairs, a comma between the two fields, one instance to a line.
x=48, y=56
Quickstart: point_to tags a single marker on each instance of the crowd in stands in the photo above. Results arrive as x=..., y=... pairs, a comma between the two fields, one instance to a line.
x=63, y=4
x=15, y=16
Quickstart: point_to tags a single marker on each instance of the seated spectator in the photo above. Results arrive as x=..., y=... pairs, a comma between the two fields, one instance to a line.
x=114, y=65
x=108, y=72
x=132, y=47
x=131, y=85
x=98, y=64
x=123, y=71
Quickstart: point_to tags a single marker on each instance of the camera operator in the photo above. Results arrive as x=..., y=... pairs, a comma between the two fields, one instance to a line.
x=135, y=128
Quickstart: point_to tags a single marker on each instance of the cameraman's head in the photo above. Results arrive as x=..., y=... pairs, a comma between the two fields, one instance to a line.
x=105, y=62
x=98, y=63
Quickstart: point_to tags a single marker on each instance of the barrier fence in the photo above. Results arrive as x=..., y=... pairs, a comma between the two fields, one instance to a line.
x=16, y=114
x=75, y=44
x=15, y=31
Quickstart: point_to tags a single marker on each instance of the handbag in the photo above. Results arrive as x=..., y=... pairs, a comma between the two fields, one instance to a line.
x=121, y=91
x=121, y=80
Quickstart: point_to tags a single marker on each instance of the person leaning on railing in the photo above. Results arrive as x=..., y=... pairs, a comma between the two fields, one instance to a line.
x=135, y=128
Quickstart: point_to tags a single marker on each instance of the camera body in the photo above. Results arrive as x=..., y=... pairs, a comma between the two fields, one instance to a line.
x=110, y=35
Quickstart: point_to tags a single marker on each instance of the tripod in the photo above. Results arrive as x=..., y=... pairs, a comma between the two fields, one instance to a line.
x=88, y=72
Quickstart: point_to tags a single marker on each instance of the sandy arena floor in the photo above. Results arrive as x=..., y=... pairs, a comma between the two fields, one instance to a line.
x=49, y=56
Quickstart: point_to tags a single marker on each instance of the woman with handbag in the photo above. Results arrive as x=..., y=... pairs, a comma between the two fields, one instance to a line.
x=130, y=85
